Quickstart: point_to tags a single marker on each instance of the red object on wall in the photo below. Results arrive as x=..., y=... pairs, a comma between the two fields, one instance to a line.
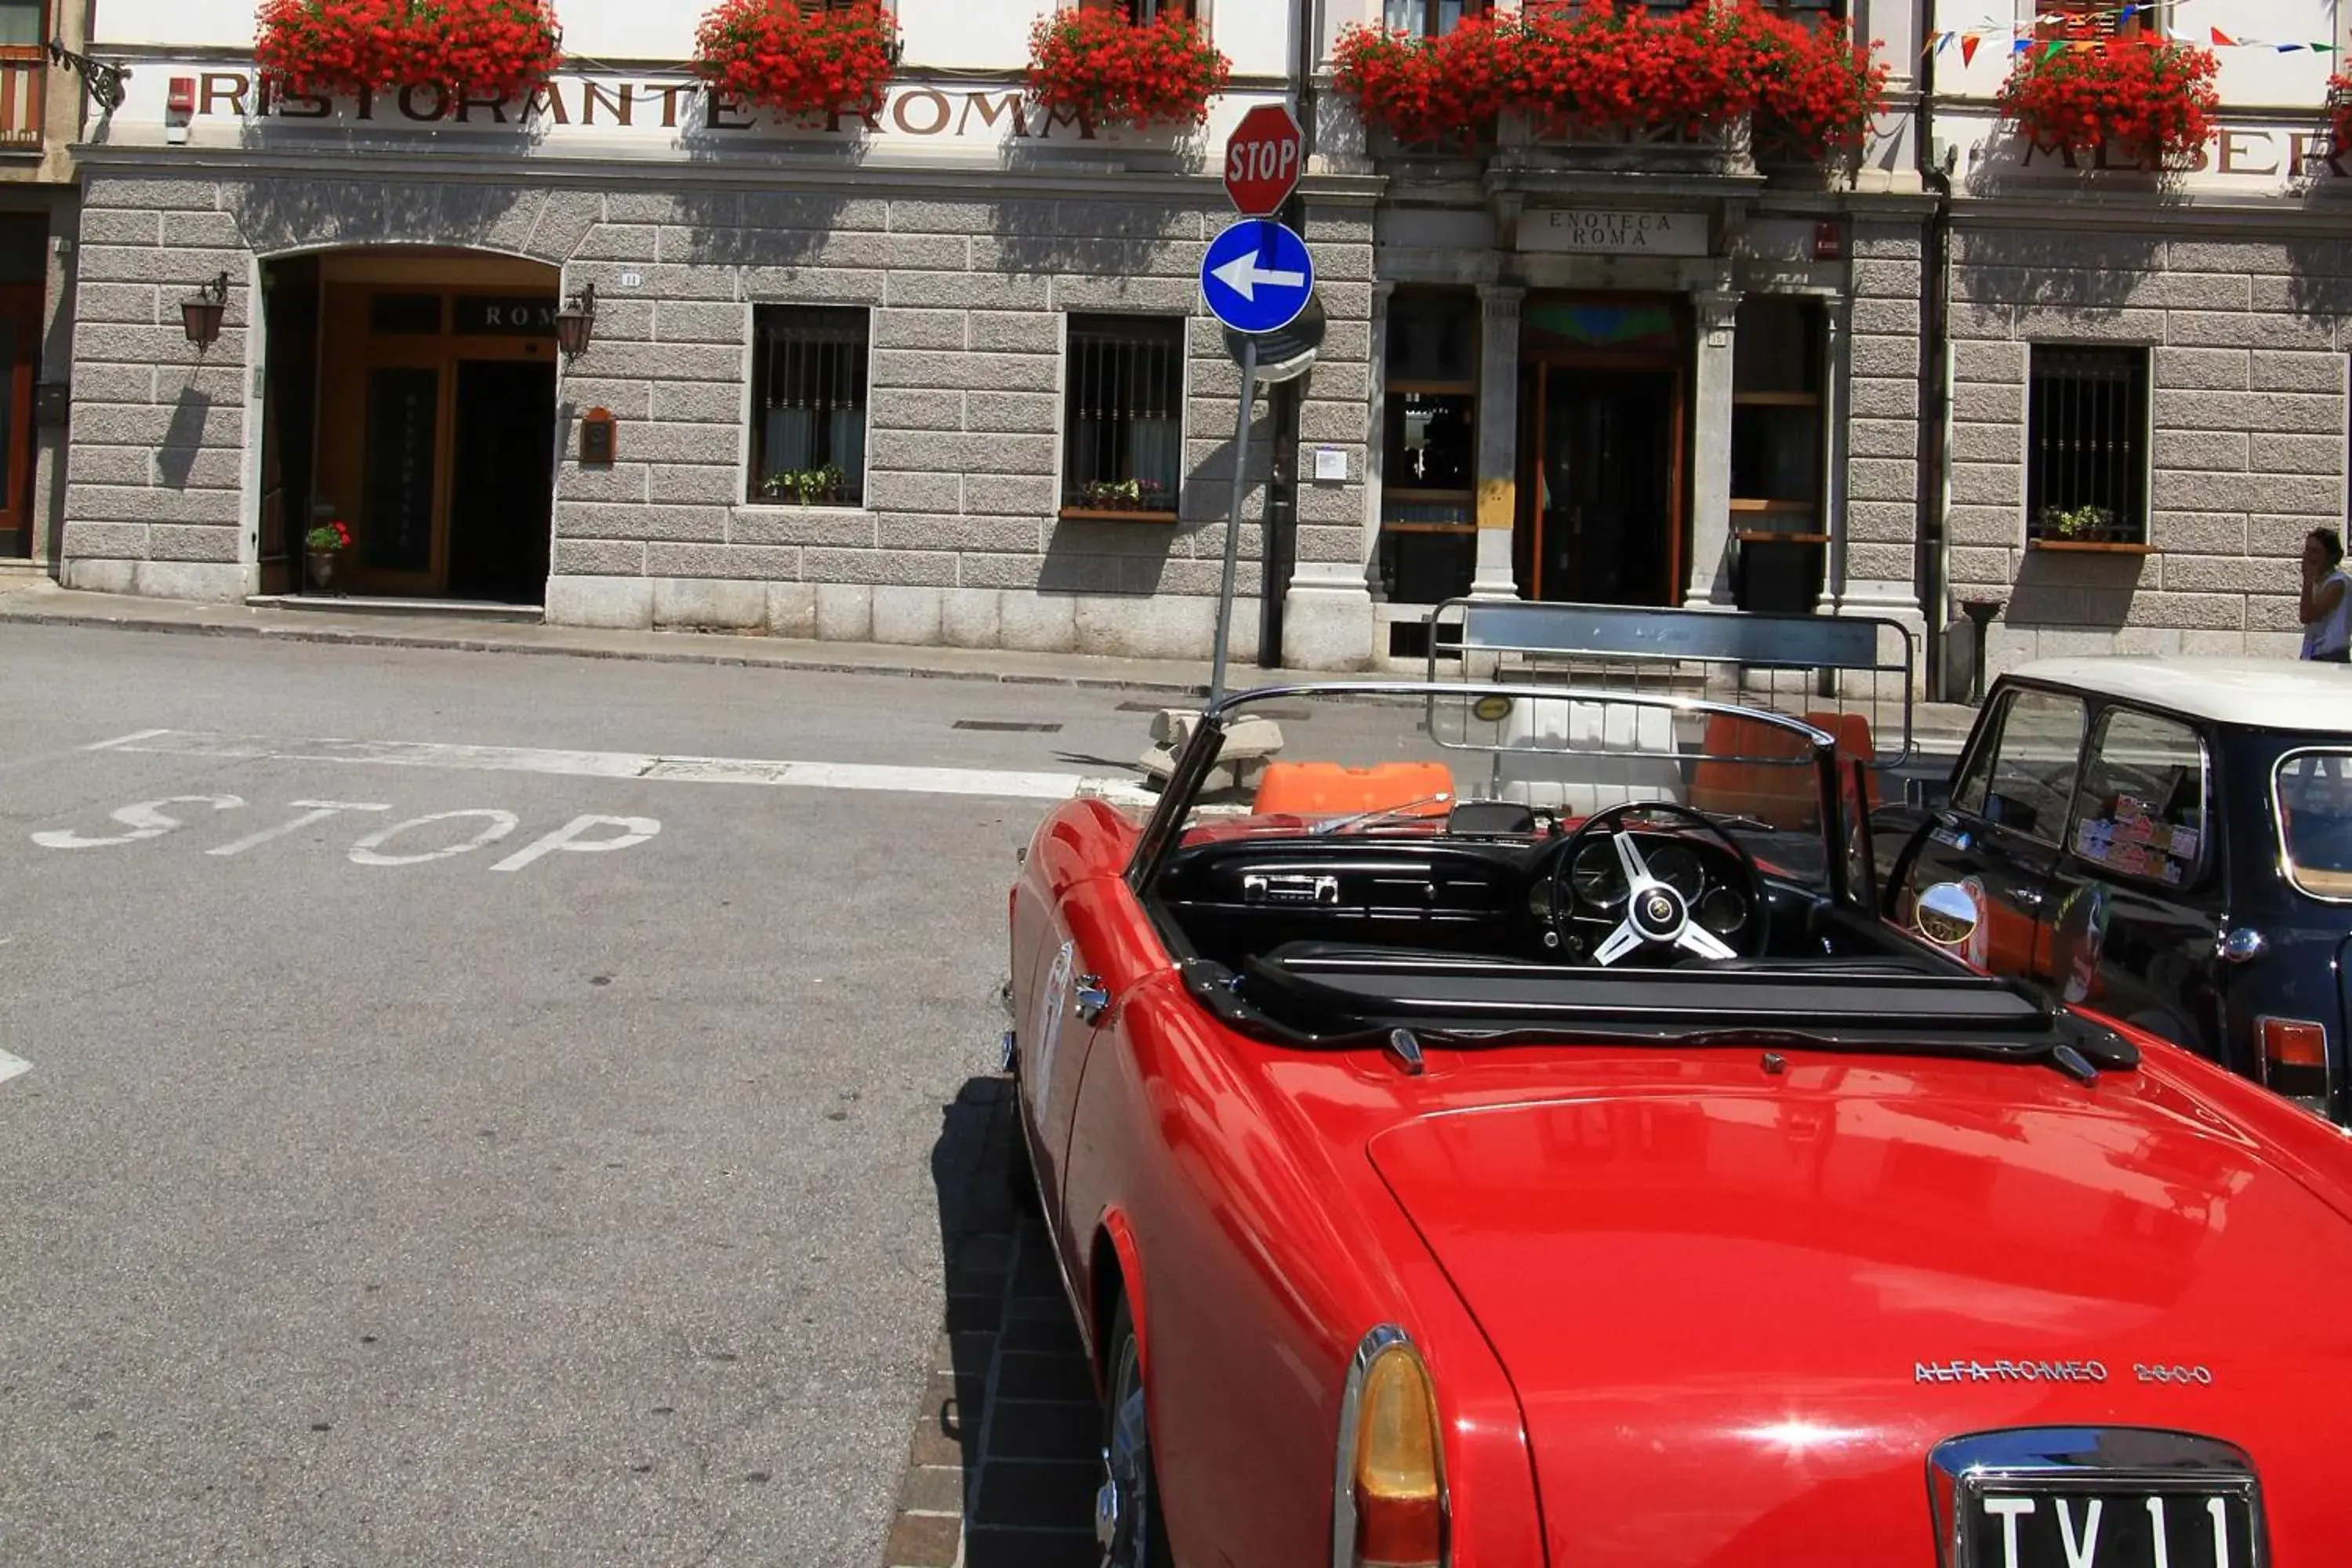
x=1829, y=240
x=1262, y=159
x=180, y=97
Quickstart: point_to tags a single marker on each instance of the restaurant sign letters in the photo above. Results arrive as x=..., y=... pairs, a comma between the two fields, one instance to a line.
x=1589, y=230
x=657, y=111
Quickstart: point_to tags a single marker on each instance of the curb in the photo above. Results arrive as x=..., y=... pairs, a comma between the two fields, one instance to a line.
x=445, y=643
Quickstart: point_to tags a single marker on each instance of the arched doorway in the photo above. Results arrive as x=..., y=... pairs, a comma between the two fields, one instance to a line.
x=411, y=394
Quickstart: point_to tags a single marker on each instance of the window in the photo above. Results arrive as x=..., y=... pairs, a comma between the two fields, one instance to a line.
x=1429, y=454
x=1777, y=374
x=1428, y=19
x=2086, y=446
x=2141, y=811
x=21, y=26
x=2311, y=791
x=808, y=418
x=2094, y=19
x=2024, y=778
x=1140, y=12
x=1123, y=414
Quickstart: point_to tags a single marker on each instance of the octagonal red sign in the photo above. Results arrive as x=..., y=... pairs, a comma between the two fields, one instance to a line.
x=1262, y=159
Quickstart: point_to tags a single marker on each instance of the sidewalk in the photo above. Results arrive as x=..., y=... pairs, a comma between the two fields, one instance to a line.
x=1938, y=727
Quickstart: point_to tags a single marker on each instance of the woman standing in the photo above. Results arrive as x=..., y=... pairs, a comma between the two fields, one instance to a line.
x=2325, y=609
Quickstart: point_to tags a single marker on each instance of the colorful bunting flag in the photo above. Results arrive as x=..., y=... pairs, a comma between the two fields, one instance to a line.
x=1969, y=42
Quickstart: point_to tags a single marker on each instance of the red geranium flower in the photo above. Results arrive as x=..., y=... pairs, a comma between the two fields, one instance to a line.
x=804, y=63
x=2152, y=95
x=1093, y=66
x=478, y=49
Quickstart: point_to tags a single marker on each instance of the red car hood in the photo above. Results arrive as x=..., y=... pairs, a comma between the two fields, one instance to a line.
x=1739, y=1320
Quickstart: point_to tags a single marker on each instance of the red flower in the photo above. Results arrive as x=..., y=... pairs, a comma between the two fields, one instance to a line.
x=478, y=49
x=2070, y=94
x=810, y=64
x=1095, y=66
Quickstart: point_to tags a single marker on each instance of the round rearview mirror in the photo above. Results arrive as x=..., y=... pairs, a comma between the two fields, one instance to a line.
x=1947, y=914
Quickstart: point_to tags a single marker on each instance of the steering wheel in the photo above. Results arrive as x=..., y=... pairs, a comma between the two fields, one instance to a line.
x=1658, y=918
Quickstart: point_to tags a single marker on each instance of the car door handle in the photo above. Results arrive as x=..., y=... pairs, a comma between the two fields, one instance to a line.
x=1093, y=998
x=2027, y=897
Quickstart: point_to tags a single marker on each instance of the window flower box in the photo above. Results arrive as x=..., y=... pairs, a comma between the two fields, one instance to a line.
x=474, y=49
x=1095, y=66
x=1442, y=92
x=1120, y=501
x=2151, y=98
x=2339, y=110
x=2085, y=530
x=811, y=63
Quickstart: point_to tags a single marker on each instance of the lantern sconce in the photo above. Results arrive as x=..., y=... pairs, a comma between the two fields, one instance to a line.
x=202, y=315
x=575, y=324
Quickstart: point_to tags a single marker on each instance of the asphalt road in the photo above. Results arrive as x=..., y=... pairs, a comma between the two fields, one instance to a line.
x=373, y=1199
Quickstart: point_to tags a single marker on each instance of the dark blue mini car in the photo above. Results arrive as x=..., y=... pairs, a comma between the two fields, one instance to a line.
x=2168, y=841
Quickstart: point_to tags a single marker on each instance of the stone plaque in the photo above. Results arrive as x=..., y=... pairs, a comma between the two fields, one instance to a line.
x=1605, y=232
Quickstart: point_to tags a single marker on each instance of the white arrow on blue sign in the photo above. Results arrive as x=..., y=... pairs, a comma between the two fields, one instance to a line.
x=1257, y=277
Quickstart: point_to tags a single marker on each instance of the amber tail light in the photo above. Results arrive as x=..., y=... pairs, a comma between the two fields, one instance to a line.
x=2294, y=1060
x=1390, y=1507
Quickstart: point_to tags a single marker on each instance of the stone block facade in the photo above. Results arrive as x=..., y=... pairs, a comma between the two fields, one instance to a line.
x=959, y=538
x=2245, y=341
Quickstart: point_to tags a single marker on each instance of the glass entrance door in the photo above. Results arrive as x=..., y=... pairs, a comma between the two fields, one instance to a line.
x=1609, y=448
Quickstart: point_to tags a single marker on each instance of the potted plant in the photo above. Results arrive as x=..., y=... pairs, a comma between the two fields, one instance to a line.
x=1124, y=494
x=2085, y=524
x=2339, y=111
x=1427, y=91
x=321, y=548
x=505, y=48
x=1600, y=67
x=823, y=486
x=1093, y=66
x=814, y=64
x=2152, y=101
x=1817, y=91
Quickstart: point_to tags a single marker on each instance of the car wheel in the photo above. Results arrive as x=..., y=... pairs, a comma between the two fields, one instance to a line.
x=1126, y=1507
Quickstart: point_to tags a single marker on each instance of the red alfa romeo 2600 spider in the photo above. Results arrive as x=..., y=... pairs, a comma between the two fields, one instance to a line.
x=1517, y=1141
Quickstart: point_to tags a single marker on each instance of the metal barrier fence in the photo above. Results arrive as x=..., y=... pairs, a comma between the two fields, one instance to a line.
x=1851, y=675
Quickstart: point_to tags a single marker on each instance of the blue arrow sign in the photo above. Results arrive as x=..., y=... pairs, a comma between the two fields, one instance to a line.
x=1257, y=277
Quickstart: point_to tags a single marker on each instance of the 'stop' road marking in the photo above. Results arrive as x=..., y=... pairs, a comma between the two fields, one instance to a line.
x=1009, y=783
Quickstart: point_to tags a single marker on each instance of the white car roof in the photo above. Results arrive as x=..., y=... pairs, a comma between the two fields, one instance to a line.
x=2257, y=693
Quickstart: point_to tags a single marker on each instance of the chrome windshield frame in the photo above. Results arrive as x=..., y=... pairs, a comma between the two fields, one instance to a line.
x=1191, y=765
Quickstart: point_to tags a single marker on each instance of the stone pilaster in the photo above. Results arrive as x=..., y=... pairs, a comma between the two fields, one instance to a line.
x=1498, y=427
x=1709, y=584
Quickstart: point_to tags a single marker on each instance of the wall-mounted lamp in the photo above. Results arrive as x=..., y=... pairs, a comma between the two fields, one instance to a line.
x=575, y=324
x=202, y=315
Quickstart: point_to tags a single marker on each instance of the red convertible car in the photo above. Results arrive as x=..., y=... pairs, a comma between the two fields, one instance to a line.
x=1517, y=1140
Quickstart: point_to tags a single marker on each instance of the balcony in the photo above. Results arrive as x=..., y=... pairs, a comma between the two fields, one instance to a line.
x=24, y=86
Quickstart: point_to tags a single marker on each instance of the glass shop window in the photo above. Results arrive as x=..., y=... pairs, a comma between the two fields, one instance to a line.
x=1779, y=347
x=2086, y=444
x=808, y=414
x=1428, y=19
x=1123, y=415
x=1430, y=446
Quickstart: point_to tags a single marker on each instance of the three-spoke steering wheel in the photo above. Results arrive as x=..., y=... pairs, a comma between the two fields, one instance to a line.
x=1658, y=916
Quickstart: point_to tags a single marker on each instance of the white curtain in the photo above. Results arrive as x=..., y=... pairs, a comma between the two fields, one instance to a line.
x=1155, y=448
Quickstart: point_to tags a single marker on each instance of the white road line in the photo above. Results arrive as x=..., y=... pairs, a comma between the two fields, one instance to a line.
x=999, y=783
x=11, y=1065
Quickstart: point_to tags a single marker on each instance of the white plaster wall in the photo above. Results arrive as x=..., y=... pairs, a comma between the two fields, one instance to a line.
x=2251, y=77
x=970, y=34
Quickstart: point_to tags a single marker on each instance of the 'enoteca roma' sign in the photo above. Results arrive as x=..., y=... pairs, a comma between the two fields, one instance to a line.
x=1592, y=231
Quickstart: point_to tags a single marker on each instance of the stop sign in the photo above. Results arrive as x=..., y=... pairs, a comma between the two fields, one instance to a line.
x=1262, y=159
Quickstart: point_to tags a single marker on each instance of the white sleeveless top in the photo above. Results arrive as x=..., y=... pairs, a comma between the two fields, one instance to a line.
x=2331, y=632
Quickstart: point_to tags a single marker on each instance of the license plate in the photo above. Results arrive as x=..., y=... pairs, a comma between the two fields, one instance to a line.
x=2008, y=1526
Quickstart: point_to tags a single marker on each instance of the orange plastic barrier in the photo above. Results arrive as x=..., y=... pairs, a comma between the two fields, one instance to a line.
x=1741, y=773
x=1311, y=789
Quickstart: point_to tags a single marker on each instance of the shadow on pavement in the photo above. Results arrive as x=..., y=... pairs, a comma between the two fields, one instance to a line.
x=1003, y=1464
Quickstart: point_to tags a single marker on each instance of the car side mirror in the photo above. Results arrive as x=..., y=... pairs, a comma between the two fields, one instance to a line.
x=1947, y=914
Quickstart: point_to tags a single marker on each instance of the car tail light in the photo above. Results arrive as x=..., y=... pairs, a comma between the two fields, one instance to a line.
x=2295, y=1060
x=1390, y=1505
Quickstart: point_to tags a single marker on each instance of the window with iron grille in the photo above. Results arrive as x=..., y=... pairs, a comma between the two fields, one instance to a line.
x=1140, y=12
x=2086, y=446
x=808, y=405
x=1123, y=414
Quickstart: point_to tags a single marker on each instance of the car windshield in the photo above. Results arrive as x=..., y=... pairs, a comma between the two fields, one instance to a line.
x=1474, y=761
x=2312, y=789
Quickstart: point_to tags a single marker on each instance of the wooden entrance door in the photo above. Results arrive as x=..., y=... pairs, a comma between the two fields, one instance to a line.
x=436, y=427
x=20, y=358
x=1604, y=410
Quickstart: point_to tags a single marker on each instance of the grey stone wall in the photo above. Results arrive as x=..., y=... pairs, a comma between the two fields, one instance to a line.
x=1882, y=513
x=959, y=540
x=2247, y=441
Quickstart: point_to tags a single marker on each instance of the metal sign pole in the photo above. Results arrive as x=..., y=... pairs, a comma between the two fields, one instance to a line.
x=1233, y=519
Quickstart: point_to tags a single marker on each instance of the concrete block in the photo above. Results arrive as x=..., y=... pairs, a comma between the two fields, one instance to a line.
x=843, y=526
x=695, y=484
x=599, y=558
x=2280, y=370
x=971, y=617
x=693, y=321
x=792, y=609
x=1039, y=623
x=179, y=542
x=755, y=563
x=701, y=602
x=2218, y=370
x=961, y=291
x=1328, y=628
x=1024, y=571
x=934, y=569
x=675, y=525
x=898, y=491
x=896, y=408
x=911, y=328
x=845, y=612
x=908, y=615
x=2298, y=455
x=2219, y=450
x=1011, y=331
x=624, y=603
